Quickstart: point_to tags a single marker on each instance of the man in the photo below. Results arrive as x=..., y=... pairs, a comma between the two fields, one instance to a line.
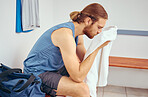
x=57, y=56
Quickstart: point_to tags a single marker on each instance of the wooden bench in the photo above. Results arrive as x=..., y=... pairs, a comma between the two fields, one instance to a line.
x=126, y=62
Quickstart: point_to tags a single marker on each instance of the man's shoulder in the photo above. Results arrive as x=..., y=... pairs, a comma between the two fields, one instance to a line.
x=61, y=36
x=63, y=32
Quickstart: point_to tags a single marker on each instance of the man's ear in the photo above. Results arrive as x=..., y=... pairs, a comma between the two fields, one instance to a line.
x=88, y=21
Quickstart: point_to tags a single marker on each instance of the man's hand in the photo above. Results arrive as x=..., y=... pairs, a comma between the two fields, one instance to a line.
x=104, y=44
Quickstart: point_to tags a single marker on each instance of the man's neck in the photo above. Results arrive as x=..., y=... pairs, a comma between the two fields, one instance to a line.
x=78, y=29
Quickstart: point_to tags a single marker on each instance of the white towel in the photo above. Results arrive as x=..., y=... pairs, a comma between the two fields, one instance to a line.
x=30, y=14
x=97, y=76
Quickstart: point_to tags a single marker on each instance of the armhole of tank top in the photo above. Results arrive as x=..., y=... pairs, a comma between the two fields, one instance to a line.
x=76, y=40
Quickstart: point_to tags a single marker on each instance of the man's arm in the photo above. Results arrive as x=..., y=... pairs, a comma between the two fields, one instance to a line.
x=63, y=39
x=80, y=49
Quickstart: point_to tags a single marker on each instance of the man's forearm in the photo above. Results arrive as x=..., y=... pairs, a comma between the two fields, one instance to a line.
x=86, y=65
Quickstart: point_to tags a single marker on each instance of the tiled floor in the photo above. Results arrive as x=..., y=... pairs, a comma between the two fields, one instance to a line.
x=117, y=91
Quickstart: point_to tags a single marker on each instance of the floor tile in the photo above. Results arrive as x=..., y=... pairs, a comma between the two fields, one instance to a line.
x=112, y=94
x=137, y=91
x=116, y=89
x=99, y=94
x=99, y=91
x=135, y=96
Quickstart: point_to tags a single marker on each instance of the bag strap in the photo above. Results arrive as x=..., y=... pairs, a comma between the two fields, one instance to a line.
x=3, y=76
x=30, y=80
x=9, y=71
x=5, y=89
x=4, y=67
x=19, y=82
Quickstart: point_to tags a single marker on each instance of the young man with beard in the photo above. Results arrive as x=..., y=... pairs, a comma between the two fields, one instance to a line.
x=57, y=55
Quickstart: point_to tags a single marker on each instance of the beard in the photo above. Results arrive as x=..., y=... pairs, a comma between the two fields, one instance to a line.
x=87, y=31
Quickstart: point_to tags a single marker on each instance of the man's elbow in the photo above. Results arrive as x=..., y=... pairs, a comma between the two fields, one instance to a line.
x=78, y=79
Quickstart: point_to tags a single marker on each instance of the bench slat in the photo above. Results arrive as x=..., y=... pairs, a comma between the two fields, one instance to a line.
x=128, y=62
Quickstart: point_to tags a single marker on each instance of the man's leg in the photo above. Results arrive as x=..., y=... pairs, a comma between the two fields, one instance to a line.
x=70, y=88
x=63, y=85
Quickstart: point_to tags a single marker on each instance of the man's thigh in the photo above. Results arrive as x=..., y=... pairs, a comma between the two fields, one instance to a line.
x=68, y=87
x=59, y=83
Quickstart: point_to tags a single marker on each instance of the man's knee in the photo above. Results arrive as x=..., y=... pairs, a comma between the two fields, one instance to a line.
x=83, y=90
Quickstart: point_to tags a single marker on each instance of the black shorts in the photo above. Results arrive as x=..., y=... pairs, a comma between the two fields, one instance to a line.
x=50, y=80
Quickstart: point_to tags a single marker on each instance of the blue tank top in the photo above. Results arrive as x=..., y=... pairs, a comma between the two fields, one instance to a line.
x=45, y=56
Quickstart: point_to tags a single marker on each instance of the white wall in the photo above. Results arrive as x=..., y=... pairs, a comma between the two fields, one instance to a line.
x=14, y=47
x=62, y=8
x=128, y=77
x=130, y=46
x=131, y=15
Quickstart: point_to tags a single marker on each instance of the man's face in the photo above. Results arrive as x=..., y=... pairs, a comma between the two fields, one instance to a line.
x=94, y=29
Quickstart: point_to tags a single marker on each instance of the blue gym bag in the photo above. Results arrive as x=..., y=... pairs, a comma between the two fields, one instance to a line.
x=13, y=83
